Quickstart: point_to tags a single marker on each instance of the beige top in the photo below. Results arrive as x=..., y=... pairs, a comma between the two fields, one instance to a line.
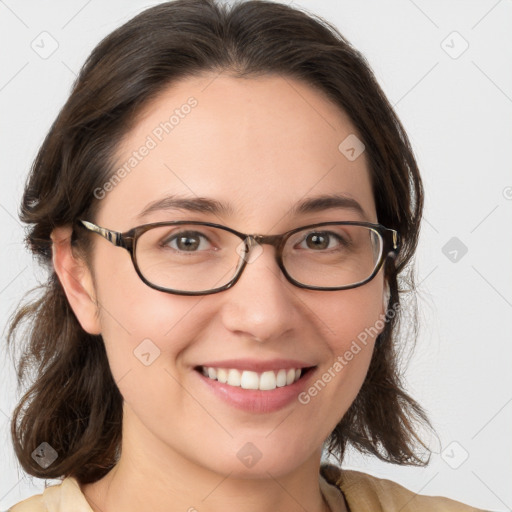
x=362, y=492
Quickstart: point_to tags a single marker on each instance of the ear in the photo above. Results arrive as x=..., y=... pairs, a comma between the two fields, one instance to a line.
x=76, y=279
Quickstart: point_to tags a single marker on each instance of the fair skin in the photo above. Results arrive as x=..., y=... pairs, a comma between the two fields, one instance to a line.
x=262, y=146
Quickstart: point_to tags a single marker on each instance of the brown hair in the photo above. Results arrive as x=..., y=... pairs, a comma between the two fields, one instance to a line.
x=73, y=403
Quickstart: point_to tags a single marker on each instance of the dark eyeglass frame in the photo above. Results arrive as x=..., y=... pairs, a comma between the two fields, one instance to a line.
x=128, y=241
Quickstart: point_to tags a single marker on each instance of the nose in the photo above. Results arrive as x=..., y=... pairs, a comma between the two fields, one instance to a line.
x=262, y=303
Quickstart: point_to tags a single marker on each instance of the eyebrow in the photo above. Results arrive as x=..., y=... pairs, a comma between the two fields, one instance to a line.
x=209, y=205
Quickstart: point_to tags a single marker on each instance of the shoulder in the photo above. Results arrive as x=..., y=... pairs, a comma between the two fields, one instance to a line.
x=367, y=492
x=56, y=498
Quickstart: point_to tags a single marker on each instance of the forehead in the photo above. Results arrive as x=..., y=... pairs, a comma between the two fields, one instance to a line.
x=259, y=145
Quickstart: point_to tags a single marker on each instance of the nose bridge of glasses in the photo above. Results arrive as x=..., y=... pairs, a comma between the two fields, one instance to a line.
x=265, y=239
x=255, y=241
x=254, y=244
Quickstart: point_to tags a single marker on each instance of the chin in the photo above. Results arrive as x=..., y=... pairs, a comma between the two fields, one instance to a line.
x=258, y=460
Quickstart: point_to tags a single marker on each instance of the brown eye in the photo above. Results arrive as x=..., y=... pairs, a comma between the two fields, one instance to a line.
x=186, y=241
x=323, y=240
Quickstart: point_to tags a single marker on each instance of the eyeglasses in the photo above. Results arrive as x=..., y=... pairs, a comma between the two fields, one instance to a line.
x=201, y=258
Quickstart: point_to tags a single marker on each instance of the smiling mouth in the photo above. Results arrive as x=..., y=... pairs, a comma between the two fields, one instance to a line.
x=246, y=379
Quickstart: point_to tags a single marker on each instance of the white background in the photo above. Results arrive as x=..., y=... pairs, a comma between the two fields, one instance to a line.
x=457, y=112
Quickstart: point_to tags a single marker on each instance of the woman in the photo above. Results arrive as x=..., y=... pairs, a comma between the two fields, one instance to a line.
x=226, y=204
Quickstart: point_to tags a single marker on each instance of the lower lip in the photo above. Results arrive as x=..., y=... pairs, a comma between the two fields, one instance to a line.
x=256, y=401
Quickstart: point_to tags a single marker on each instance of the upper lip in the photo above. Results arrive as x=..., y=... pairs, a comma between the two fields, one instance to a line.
x=257, y=366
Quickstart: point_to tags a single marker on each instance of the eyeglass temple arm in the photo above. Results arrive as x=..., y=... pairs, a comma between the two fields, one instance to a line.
x=396, y=240
x=112, y=236
x=394, y=243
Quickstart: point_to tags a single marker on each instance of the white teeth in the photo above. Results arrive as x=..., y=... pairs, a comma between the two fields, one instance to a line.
x=281, y=378
x=246, y=379
x=222, y=375
x=268, y=380
x=233, y=378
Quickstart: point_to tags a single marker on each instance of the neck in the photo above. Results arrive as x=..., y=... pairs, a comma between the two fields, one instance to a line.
x=149, y=476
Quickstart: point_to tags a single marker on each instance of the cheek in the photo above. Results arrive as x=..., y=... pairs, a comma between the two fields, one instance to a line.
x=352, y=325
x=356, y=318
x=141, y=327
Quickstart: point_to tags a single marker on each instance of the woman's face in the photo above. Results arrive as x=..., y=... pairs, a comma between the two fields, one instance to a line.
x=258, y=146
